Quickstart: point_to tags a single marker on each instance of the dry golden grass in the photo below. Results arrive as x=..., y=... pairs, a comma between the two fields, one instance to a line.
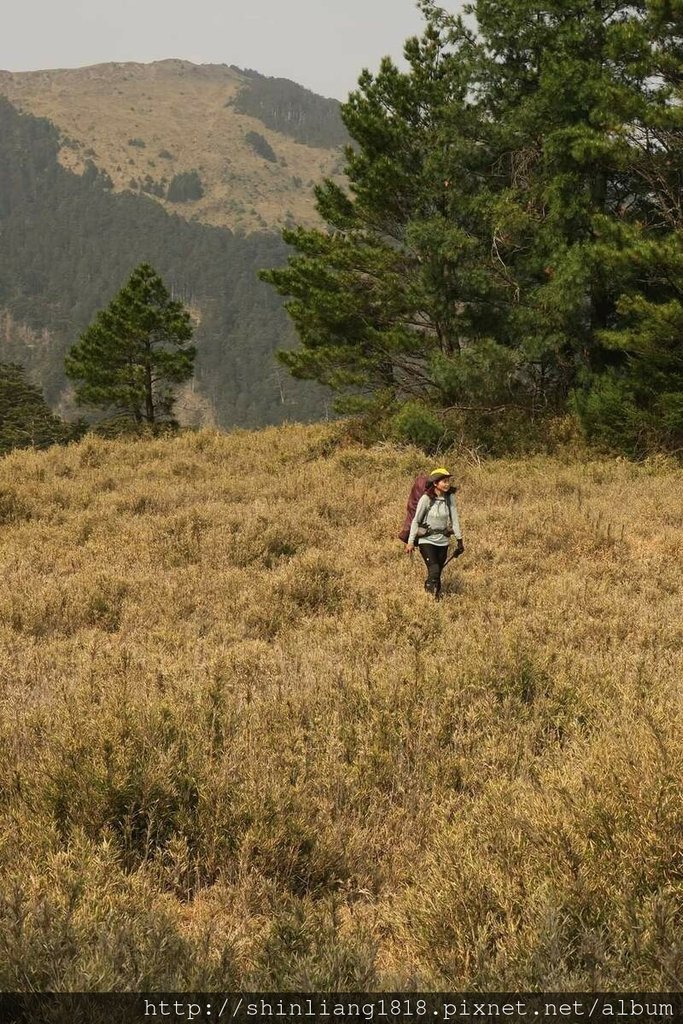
x=177, y=109
x=241, y=748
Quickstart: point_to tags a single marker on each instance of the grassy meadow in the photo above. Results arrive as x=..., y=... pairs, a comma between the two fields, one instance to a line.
x=240, y=747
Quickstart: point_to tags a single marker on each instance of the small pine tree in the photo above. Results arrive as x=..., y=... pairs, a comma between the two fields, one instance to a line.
x=134, y=353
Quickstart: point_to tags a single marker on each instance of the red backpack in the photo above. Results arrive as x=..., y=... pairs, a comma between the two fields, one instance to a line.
x=417, y=490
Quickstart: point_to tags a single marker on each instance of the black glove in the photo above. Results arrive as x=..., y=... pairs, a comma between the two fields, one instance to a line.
x=459, y=547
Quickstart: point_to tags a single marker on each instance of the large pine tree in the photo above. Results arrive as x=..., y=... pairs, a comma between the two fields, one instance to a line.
x=394, y=283
x=135, y=352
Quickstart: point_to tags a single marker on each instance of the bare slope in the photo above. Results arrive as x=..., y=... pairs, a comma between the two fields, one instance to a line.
x=145, y=123
x=240, y=748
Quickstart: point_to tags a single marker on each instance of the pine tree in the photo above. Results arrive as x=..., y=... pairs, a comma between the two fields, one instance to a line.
x=135, y=352
x=571, y=86
x=638, y=406
x=395, y=286
x=25, y=418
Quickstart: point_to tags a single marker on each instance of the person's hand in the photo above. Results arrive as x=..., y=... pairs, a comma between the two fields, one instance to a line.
x=410, y=548
x=459, y=546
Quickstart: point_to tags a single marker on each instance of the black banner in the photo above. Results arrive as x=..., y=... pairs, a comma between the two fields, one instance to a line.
x=350, y=1008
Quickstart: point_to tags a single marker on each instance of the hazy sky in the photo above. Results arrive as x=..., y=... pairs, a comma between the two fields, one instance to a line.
x=322, y=44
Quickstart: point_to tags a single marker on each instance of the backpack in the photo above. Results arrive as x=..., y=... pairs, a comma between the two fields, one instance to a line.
x=417, y=490
x=420, y=486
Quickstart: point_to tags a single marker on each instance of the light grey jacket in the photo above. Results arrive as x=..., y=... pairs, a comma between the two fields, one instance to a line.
x=437, y=519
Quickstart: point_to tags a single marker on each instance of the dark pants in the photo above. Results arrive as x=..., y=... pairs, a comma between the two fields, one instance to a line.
x=434, y=557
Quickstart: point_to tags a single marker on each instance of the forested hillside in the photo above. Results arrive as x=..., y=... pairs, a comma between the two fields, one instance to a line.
x=292, y=110
x=67, y=243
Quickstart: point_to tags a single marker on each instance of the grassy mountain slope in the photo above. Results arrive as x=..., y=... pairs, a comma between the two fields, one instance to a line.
x=145, y=123
x=241, y=749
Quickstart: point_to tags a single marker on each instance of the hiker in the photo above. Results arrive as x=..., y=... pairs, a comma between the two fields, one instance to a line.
x=434, y=523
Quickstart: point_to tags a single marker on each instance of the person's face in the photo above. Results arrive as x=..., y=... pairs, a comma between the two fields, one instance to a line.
x=443, y=485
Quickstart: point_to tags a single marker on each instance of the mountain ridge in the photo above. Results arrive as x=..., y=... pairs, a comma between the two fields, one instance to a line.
x=145, y=124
